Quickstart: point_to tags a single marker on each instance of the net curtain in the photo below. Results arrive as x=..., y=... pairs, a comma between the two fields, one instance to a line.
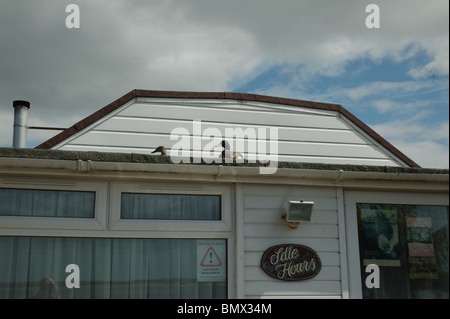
x=109, y=267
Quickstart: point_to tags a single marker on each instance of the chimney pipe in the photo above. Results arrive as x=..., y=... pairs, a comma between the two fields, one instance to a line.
x=20, y=123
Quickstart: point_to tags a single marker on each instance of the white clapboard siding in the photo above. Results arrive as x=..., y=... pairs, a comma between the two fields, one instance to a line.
x=290, y=148
x=327, y=273
x=302, y=134
x=270, y=216
x=309, y=230
x=221, y=114
x=318, y=244
x=263, y=228
x=311, y=288
x=160, y=127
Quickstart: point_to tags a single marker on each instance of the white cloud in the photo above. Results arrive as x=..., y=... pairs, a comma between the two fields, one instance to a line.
x=385, y=87
x=438, y=50
x=426, y=144
x=427, y=154
x=210, y=45
x=401, y=129
x=6, y=126
x=387, y=105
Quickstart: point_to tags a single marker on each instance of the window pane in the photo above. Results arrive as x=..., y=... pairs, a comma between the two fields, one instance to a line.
x=410, y=245
x=111, y=267
x=46, y=203
x=170, y=207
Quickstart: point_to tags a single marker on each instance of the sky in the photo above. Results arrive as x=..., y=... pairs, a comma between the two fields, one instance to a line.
x=394, y=77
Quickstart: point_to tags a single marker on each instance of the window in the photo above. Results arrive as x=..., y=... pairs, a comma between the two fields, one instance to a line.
x=170, y=206
x=109, y=268
x=52, y=204
x=149, y=240
x=409, y=243
x=406, y=235
x=46, y=203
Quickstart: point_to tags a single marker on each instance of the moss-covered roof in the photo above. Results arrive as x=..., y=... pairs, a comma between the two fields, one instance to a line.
x=159, y=159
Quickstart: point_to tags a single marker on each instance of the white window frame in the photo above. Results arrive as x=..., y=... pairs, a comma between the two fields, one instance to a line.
x=225, y=224
x=98, y=222
x=197, y=229
x=107, y=222
x=351, y=199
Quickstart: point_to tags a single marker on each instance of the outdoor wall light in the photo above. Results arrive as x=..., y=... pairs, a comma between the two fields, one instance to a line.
x=297, y=212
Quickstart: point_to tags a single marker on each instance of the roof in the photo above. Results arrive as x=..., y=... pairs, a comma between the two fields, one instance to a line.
x=84, y=123
x=135, y=158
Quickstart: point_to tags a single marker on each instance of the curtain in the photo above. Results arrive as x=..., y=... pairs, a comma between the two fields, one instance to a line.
x=170, y=206
x=109, y=267
x=46, y=203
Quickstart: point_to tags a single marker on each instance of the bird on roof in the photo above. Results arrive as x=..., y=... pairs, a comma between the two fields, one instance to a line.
x=160, y=149
x=227, y=153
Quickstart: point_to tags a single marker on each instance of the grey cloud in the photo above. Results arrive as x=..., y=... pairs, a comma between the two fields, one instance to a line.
x=189, y=45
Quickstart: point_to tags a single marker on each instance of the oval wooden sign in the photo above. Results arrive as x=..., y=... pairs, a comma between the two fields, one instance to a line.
x=291, y=262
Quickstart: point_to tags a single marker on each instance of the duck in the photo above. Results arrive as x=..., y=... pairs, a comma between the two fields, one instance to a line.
x=227, y=153
x=161, y=149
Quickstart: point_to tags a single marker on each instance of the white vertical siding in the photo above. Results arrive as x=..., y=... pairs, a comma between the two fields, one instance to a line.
x=263, y=228
x=304, y=135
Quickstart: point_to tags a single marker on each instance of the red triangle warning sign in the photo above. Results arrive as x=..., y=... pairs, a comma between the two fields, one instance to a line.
x=211, y=259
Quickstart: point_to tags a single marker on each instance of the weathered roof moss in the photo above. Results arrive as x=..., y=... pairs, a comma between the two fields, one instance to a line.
x=158, y=159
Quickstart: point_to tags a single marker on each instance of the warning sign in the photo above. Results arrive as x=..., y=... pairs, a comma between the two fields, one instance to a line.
x=211, y=260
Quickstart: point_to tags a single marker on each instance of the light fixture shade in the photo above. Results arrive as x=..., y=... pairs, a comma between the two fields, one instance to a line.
x=299, y=211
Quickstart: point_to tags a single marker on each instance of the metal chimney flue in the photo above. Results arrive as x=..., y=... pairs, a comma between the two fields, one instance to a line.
x=20, y=123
